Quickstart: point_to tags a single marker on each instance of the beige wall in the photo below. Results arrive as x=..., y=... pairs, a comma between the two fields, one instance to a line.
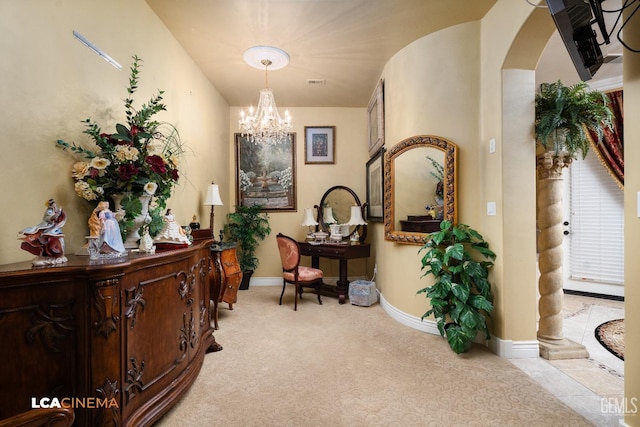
x=313, y=179
x=50, y=82
x=631, y=79
x=430, y=88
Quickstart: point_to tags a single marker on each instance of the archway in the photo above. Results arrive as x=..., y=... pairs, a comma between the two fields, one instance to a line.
x=518, y=88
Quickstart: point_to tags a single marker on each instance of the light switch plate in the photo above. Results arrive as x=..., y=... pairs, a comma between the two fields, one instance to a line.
x=491, y=208
x=492, y=145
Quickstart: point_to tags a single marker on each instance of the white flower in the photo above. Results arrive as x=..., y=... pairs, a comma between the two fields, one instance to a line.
x=100, y=163
x=150, y=188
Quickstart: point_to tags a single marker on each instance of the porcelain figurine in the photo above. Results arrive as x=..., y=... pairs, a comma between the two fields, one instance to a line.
x=146, y=242
x=108, y=243
x=46, y=240
x=172, y=233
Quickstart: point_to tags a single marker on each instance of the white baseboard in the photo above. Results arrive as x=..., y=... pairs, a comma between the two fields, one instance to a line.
x=507, y=349
x=277, y=281
x=265, y=281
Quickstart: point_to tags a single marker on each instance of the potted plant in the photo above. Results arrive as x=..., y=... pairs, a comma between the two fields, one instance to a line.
x=563, y=113
x=459, y=259
x=247, y=226
x=136, y=166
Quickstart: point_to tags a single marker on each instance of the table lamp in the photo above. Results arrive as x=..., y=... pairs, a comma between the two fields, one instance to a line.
x=357, y=220
x=327, y=216
x=213, y=199
x=309, y=221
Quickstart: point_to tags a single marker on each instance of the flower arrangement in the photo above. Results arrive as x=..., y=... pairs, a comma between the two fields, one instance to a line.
x=140, y=158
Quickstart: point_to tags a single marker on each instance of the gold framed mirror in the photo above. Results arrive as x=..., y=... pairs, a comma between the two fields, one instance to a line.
x=420, y=179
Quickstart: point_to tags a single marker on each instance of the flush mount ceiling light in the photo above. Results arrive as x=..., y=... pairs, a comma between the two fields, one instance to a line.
x=265, y=125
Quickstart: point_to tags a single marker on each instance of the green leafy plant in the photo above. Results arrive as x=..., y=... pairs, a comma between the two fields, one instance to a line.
x=459, y=259
x=247, y=226
x=140, y=157
x=563, y=113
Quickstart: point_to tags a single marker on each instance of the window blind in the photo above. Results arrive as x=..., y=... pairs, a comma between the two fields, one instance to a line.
x=596, y=223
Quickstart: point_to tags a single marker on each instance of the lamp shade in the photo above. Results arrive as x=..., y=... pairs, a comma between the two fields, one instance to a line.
x=309, y=220
x=213, y=196
x=356, y=216
x=327, y=217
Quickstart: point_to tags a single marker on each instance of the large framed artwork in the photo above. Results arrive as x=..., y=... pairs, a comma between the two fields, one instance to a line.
x=266, y=173
x=375, y=187
x=319, y=144
x=376, y=119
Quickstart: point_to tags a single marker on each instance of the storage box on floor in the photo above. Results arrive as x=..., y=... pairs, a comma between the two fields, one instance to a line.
x=363, y=293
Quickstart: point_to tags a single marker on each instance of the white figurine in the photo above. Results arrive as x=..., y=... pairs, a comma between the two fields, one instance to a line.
x=172, y=233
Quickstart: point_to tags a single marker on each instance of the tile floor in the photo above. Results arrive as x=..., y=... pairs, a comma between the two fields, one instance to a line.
x=593, y=387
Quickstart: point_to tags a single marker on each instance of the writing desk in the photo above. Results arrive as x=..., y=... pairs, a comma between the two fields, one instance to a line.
x=341, y=252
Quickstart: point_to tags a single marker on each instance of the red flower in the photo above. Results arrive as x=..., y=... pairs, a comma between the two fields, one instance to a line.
x=174, y=174
x=127, y=171
x=93, y=172
x=134, y=131
x=157, y=164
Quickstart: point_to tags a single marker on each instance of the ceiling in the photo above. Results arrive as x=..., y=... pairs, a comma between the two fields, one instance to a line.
x=346, y=43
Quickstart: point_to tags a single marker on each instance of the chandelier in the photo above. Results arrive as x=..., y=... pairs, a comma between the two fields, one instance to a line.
x=264, y=125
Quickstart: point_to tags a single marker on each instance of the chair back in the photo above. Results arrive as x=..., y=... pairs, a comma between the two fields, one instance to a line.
x=289, y=252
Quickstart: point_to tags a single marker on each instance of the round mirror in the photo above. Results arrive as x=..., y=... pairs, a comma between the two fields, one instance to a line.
x=335, y=208
x=420, y=182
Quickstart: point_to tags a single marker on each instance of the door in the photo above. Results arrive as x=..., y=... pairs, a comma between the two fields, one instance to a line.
x=594, y=229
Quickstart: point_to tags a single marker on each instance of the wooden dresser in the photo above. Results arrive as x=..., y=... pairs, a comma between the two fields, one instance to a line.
x=128, y=337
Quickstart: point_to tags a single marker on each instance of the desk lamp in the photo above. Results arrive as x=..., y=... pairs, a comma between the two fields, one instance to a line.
x=213, y=199
x=309, y=221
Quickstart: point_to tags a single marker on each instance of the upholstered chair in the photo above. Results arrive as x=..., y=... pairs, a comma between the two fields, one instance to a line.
x=293, y=272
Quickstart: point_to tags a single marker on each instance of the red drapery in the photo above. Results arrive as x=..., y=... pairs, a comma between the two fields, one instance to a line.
x=611, y=149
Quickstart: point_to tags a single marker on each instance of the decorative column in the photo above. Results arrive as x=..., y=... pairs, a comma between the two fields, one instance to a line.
x=551, y=339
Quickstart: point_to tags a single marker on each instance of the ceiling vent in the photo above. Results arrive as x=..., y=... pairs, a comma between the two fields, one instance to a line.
x=317, y=82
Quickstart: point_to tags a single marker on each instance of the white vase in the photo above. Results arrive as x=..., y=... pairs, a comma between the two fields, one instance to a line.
x=133, y=234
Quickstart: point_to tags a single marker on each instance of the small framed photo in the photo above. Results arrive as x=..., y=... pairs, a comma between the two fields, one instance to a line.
x=375, y=186
x=376, y=119
x=320, y=145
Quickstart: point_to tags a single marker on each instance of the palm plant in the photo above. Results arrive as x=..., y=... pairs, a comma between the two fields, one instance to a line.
x=563, y=113
x=247, y=226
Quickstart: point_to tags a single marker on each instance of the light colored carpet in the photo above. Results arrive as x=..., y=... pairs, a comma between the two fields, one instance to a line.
x=343, y=365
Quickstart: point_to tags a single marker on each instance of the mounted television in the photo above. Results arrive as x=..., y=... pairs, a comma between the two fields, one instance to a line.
x=573, y=19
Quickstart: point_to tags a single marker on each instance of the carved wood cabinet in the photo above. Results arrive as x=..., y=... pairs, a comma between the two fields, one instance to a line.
x=127, y=336
x=226, y=276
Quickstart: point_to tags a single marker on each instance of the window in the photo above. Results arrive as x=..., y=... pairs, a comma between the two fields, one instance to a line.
x=596, y=223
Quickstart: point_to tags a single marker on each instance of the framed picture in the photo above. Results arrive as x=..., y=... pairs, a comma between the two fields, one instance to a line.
x=266, y=174
x=375, y=187
x=376, y=119
x=320, y=145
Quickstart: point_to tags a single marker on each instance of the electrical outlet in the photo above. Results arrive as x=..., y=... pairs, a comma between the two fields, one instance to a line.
x=492, y=145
